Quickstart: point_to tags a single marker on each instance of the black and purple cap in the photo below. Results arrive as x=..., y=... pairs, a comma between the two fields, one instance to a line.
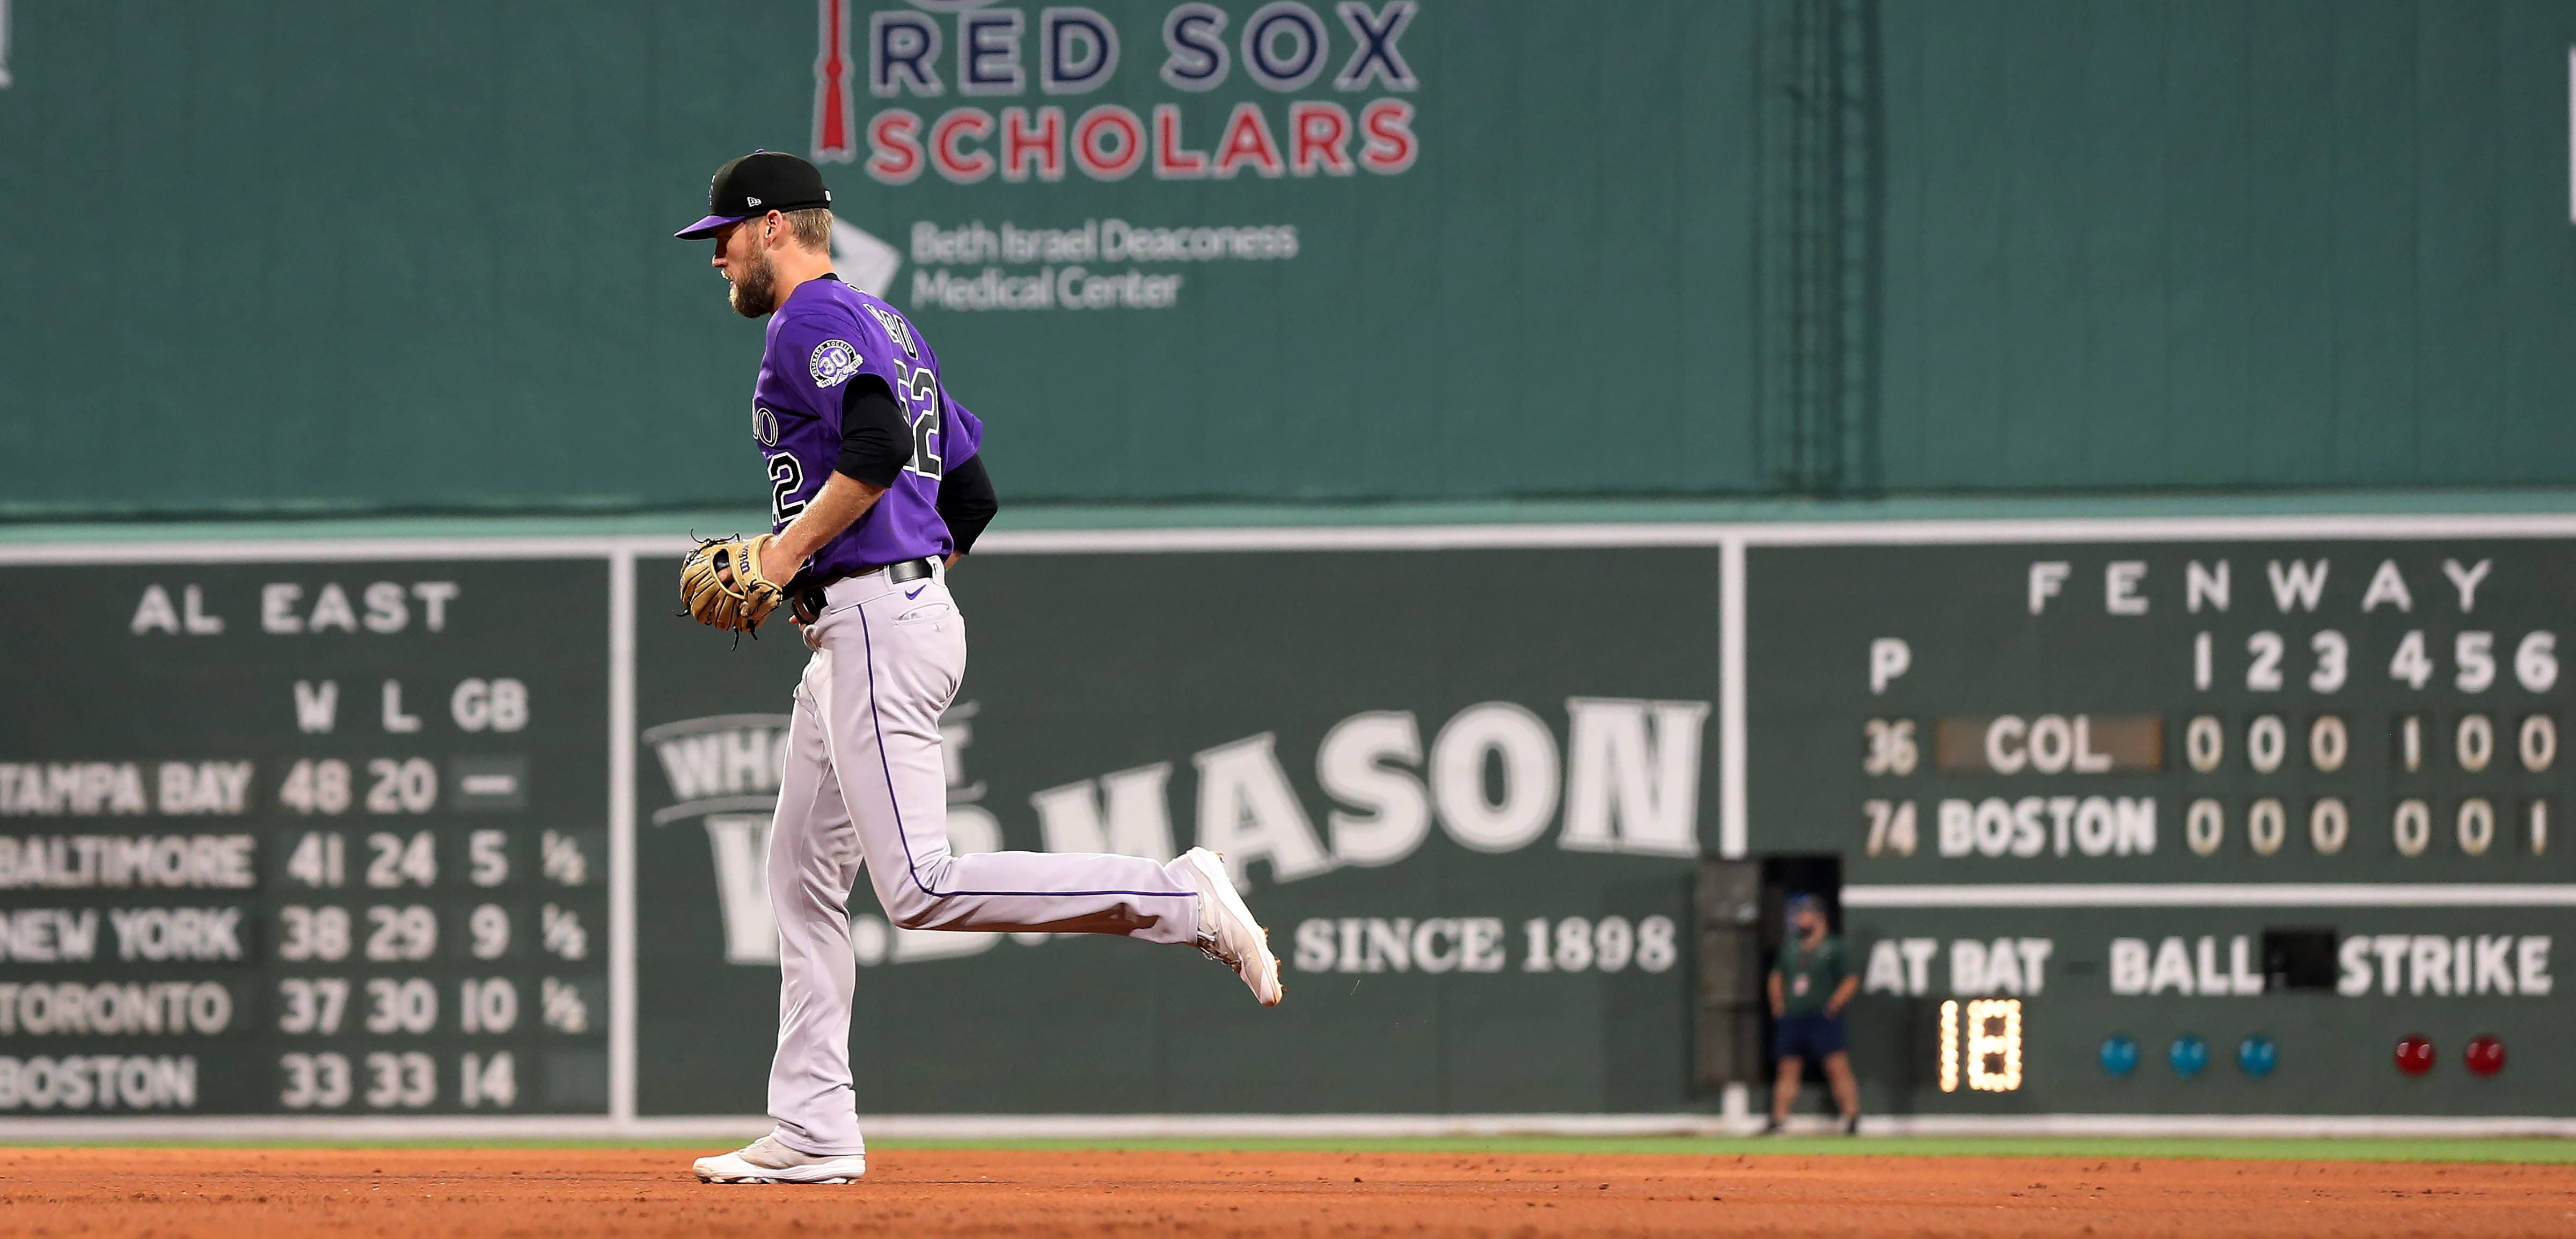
x=756, y=184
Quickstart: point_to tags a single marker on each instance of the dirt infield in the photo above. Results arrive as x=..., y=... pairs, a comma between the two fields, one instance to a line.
x=215, y=1193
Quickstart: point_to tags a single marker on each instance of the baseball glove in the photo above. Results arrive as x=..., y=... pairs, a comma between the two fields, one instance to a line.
x=721, y=584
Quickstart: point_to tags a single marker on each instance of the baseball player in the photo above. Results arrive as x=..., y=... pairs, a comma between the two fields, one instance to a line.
x=876, y=491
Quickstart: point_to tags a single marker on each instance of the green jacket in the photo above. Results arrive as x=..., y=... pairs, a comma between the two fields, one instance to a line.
x=1808, y=978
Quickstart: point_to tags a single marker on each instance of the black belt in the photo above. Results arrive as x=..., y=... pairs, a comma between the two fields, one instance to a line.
x=807, y=599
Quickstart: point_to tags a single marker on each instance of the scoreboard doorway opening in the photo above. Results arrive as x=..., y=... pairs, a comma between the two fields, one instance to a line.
x=1742, y=909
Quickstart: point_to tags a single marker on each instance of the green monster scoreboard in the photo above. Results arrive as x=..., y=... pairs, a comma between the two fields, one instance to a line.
x=2191, y=824
x=2118, y=818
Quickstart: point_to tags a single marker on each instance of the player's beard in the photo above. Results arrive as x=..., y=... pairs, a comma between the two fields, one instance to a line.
x=755, y=288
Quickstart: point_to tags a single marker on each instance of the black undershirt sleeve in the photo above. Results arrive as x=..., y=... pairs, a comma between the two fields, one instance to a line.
x=966, y=502
x=876, y=443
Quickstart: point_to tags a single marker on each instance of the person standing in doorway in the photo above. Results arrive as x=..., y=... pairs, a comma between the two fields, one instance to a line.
x=1810, y=985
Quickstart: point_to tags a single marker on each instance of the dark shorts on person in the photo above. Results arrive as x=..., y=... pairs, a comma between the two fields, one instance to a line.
x=1811, y=1036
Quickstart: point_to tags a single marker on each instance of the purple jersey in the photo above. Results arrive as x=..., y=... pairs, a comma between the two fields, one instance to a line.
x=822, y=339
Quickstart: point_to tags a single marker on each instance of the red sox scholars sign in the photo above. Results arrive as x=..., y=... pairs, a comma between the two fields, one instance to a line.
x=974, y=51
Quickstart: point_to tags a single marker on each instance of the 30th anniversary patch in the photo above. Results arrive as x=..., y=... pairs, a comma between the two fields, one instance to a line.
x=833, y=363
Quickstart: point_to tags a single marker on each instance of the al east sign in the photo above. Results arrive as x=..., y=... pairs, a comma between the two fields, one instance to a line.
x=973, y=52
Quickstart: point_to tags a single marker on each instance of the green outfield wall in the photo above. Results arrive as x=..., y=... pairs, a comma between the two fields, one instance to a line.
x=2182, y=817
x=283, y=257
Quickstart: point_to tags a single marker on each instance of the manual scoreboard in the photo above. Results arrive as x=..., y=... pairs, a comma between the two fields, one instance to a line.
x=304, y=838
x=2195, y=825
x=2190, y=818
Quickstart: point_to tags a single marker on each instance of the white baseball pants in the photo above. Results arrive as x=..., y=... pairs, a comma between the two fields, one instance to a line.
x=864, y=781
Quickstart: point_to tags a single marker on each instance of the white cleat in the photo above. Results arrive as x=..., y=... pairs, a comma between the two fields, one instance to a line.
x=767, y=1161
x=1227, y=932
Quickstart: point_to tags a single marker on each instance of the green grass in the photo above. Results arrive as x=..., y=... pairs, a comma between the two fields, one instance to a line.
x=2535, y=1150
x=2395, y=1150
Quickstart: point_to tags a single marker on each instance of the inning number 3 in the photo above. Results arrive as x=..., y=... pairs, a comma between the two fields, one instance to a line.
x=786, y=477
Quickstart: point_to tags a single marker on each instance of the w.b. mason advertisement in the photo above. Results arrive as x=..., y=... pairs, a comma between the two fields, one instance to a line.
x=1464, y=789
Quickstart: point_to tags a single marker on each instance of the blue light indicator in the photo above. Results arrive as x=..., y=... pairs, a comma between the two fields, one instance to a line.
x=2256, y=1055
x=2119, y=1055
x=2188, y=1055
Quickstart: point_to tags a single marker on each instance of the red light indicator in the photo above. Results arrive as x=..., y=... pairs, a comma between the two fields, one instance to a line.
x=2415, y=1055
x=2485, y=1056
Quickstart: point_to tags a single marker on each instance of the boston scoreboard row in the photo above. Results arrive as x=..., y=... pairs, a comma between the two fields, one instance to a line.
x=322, y=838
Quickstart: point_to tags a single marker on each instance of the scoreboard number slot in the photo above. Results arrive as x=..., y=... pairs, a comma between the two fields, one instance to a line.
x=489, y=929
x=492, y=1079
x=489, y=1005
x=2537, y=744
x=398, y=861
x=2329, y=742
x=401, y=933
x=2412, y=827
x=407, y=1005
x=2475, y=742
x=409, y=786
x=2204, y=826
x=316, y=787
x=319, y=860
x=2266, y=741
x=2477, y=825
x=408, y=1080
x=1891, y=827
x=2266, y=825
x=1891, y=747
x=2204, y=743
x=315, y=1081
x=487, y=857
x=312, y=1004
x=313, y=933
x=2329, y=824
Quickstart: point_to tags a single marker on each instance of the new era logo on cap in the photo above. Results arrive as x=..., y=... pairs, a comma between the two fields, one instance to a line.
x=755, y=184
